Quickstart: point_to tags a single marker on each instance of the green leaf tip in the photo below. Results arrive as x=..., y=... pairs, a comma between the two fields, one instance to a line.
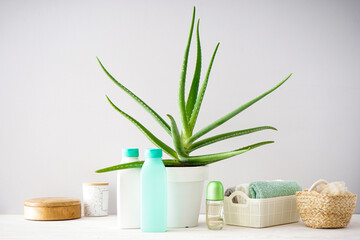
x=225, y=136
x=190, y=103
x=145, y=106
x=181, y=92
x=156, y=141
x=201, y=94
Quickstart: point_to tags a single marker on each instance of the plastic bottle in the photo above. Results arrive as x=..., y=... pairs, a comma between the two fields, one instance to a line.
x=153, y=192
x=214, y=205
x=128, y=191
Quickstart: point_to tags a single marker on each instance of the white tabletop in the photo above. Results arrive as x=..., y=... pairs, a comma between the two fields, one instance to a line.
x=15, y=227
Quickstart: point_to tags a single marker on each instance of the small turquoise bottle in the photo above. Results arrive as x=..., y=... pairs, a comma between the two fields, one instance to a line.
x=153, y=192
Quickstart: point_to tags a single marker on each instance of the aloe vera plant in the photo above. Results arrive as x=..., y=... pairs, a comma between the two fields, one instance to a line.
x=185, y=140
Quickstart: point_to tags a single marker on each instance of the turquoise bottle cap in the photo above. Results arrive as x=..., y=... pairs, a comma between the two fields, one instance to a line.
x=215, y=191
x=153, y=153
x=130, y=152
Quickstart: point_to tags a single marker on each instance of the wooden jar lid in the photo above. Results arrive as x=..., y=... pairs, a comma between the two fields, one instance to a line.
x=52, y=208
x=96, y=184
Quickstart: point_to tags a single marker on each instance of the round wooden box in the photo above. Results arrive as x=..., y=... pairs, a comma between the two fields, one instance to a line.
x=52, y=208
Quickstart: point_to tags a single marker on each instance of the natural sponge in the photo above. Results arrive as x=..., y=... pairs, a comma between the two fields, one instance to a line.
x=333, y=188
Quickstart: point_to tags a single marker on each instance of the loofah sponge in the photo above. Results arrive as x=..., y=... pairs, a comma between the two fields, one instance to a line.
x=333, y=188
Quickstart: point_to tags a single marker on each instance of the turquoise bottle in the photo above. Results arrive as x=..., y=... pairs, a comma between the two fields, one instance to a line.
x=153, y=192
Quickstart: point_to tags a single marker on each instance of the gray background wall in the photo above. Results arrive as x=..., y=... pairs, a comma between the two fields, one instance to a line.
x=56, y=127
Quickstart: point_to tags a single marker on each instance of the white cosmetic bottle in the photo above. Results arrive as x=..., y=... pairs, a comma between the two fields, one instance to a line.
x=128, y=191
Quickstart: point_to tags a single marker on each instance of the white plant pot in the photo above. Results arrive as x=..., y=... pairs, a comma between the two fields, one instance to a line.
x=185, y=187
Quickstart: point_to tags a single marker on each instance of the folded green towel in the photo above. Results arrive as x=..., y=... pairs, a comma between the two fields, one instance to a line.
x=271, y=189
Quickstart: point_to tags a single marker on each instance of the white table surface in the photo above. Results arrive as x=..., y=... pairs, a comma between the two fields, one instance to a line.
x=16, y=227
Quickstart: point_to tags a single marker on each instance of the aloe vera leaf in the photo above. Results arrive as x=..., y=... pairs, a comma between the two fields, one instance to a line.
x=146, y=132
x=231, y=114
x=196, y=161
x=171, y=162
x=204, y=161
x=200, y=97
x=224, y=136
x=176, y=138
x=121, y=166
x=190, y=103
x=181, y=94
x=215, y=156
x=138, y=164
x=157, y=117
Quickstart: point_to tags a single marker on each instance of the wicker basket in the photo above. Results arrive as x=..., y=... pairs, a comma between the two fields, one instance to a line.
x=323, y=210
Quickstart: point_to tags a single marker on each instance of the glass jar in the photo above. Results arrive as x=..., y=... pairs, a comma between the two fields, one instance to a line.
x=215, y=205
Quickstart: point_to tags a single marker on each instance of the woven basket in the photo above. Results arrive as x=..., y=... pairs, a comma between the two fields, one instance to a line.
x=323, y=210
